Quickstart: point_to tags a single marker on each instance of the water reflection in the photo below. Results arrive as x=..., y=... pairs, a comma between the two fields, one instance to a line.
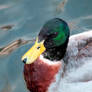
x=6, y=27
x=11, y=47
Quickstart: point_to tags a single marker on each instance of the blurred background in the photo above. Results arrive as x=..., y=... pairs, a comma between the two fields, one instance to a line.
x=21, y=21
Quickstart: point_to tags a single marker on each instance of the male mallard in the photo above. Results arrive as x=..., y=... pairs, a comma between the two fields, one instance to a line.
x=51, y=66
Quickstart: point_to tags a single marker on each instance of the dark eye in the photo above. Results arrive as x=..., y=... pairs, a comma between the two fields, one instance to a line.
x=52, y=34
x=55, y=33
x=38, y=47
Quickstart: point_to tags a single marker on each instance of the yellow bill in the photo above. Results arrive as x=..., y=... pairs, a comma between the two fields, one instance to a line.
x=33, y=53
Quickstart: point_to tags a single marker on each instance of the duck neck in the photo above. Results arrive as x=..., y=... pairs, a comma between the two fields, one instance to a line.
x=40, y=74
x=56, y=53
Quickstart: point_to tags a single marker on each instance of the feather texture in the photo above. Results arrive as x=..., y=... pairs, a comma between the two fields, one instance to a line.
x=77, y=71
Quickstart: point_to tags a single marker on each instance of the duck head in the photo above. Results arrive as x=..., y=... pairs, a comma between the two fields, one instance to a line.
x=51, y=42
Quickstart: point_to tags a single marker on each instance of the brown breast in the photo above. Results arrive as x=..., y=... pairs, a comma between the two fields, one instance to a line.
x=40, y=75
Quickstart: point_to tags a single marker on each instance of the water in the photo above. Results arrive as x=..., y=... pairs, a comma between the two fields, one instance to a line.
x=23, y=19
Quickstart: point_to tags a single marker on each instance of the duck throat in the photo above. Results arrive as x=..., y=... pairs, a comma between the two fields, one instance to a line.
x=40, y=75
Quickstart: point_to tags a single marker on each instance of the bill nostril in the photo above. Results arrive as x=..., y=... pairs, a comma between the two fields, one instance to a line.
x=25, y=60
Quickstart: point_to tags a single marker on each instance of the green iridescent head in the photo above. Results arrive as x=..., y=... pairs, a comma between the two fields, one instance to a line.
x=55, y=32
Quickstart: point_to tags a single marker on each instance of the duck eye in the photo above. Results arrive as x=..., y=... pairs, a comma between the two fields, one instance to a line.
x=56, y=33
x=38, y=47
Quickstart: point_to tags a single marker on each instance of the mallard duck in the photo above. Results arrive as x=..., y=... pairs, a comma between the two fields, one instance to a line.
x=57, y=62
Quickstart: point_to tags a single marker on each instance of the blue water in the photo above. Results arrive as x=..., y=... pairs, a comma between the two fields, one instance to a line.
x=28, y=16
